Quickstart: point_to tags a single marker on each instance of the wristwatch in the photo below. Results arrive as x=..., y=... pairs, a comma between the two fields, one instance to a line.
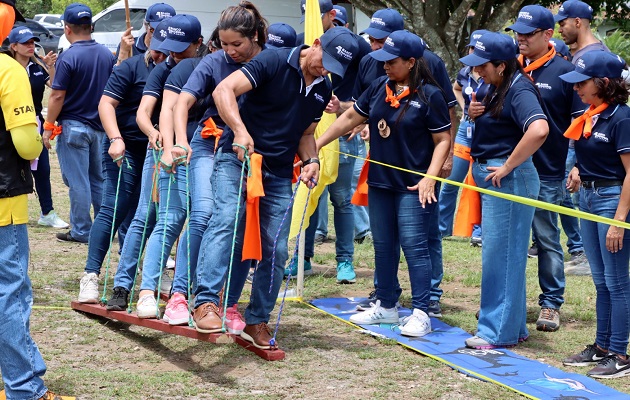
x=310, y=161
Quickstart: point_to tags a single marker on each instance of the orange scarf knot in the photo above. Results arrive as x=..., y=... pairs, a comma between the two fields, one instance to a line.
x=394, y=99
x=583, y=125
x=540, y=62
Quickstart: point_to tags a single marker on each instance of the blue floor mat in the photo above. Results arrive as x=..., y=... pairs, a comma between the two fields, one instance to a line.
x=530, y=378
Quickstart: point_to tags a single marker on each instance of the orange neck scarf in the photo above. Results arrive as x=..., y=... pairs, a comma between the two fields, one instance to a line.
x=540, y=62
x=252, y=241
x=583, y=124
x=394, y=99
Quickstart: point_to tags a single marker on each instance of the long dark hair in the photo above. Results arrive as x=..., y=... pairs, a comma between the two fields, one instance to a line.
x=615, y=92
x=419, y=75
x=246, y=20
x=495, y=102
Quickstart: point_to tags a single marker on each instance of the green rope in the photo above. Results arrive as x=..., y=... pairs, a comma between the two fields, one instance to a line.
x=111, y=234
x=142, y=242
x=246, y=162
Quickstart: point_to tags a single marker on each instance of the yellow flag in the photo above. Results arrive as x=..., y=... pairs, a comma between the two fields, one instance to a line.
x=329, y=160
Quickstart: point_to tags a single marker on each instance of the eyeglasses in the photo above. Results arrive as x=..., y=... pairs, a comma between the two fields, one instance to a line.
x=529, y=35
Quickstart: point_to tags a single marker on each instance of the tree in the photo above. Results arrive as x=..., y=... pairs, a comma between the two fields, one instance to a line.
x=29, y=8
x=446, y=24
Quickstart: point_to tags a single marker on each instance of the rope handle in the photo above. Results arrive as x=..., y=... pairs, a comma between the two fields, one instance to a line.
x=247, y=159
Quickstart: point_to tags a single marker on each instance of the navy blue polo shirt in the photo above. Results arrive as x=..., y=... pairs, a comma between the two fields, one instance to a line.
x=560, y=104
x=497, y=137
x=370, y=69
x=82, y=71
x=410, y=143
x=175, y=82
x=279, y=108
x=342, y=88
x=126, y=85
x=155, y=84
x=598, y=156
x=38, y=77
x=212, y=69
x=138, y=46
x=466, y=79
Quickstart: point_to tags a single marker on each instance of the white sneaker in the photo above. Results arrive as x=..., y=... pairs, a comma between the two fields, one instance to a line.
x=88, y=288
x=416, y=325
x=52, y=220
x=147, y=307
x=376, y=315
x=170, y=263
x=167, y=283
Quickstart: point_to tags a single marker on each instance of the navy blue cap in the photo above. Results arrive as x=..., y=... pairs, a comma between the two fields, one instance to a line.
x=475, y=36
x=157, y=12
x=561, y=47
x=339, y=49
x=77, y=14
x=531, y=18
x=574, y=9
x=21, y=34
x=385, y=22
x=159, y=34
x=183, y=29
x=340, y=15
x=400, y=44
x=595, y=64
x=324, y=7
x=491, y=46
x=280, y=35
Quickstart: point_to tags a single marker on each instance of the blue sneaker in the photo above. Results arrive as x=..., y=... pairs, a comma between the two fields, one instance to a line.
x=345, y=272
x=293, y=266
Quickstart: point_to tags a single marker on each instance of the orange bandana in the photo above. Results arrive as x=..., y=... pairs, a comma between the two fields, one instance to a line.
x=583, y=124
x=540, y=62
x=394, y=99
x=252, y=247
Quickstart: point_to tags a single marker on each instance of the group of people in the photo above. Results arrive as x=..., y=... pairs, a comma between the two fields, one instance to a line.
x=181, y=136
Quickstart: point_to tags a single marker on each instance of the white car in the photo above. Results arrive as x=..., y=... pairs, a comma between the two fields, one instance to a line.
x=53, y=19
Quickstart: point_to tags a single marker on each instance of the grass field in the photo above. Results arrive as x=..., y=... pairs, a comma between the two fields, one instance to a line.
x=99, y=359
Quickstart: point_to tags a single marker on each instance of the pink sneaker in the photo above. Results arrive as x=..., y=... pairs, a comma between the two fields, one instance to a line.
x=234, y=320
x=176, y=312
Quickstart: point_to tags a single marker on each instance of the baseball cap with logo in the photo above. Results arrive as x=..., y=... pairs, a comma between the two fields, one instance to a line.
x=159, y=34
x=400, y=44
x=182, y=30
x=595, y=64
x=491, y=46
x=157, y=12
x=77, y=14
x=561, y=47
x=18, y=14
x=574, y=9
x=340, y=15
x=280, y=35
x=21, y=34
x=531, y=18
x=324, y=7
x=339, y=48
x=384, y=22
x=475, y=36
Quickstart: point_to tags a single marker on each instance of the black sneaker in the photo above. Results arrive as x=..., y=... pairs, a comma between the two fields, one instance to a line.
x=590, y=355
x=612, y=366
x=434, y=309
x=119, y=300
x=475, y=241
x=533, y=251
x=66, y=237
x=365, y=304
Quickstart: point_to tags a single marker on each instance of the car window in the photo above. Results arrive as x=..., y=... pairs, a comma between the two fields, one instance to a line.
x=114, y=21
x=51, y=19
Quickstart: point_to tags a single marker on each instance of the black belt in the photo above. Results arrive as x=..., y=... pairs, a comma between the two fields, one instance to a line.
x=600, y=184
x=480, y=160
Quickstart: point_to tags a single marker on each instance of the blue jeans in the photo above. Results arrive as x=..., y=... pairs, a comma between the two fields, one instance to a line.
x=201, y=206
x=170, y=221
x=130, y=173
x=448, y=195
x=361, y=217
x=550, y=253
x=340, y=196
x=41, y=177
x=398, y=221
x=571, y=225
x=138, y=233
x=435, y=249
x=214, y=257
x=79, y=149
x=21, y=363
x=506, y=226
x=610, y=270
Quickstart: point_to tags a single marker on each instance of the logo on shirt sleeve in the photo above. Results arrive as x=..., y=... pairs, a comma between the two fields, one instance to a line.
x=23, y=110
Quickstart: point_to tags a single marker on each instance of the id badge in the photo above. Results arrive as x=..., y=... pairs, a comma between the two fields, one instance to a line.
x=469, y=130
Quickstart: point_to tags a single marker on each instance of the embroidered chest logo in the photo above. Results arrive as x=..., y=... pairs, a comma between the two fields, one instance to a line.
x=543, y=86
x=600, y=136
x=319, y=97
x=415, y=104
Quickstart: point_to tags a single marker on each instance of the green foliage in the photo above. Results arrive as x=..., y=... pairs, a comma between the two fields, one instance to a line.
x=618, y=43
x=31, y=7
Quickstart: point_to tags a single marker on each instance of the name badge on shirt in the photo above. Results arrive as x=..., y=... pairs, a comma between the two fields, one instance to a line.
x=468, y=90
x=469, y=132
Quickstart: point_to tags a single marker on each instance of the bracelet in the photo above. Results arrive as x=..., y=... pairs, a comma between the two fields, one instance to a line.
x=112, y=140
x=310, y=161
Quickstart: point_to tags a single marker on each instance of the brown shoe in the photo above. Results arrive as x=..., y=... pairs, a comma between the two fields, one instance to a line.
x=259, y=335
x=207, y=319
x=51, y=396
